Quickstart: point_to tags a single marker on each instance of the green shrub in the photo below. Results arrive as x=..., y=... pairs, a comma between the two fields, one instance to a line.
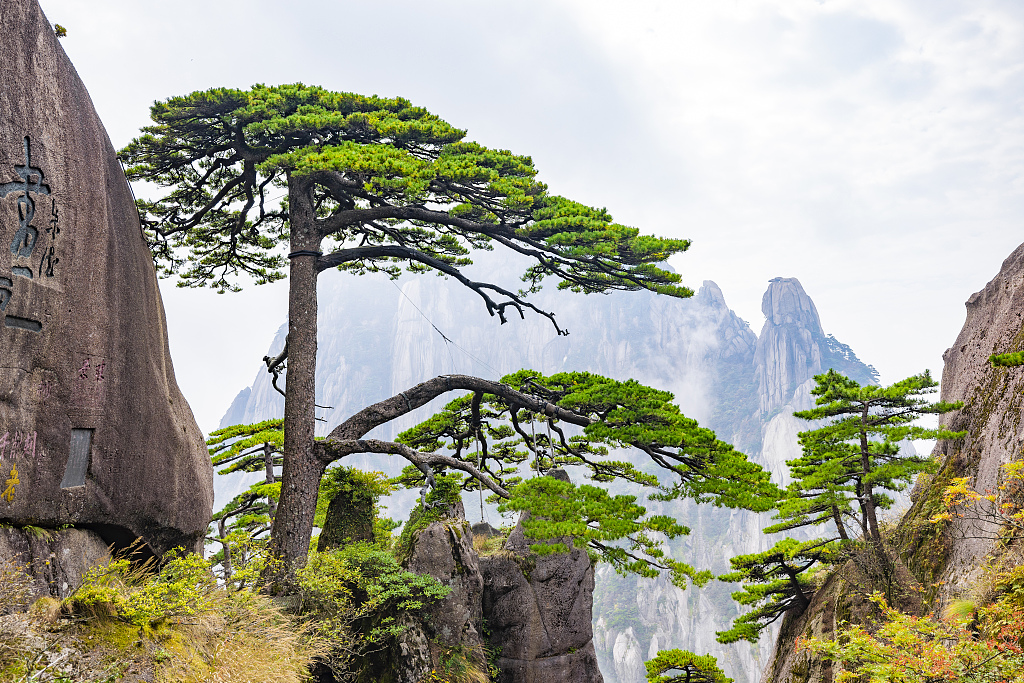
x=351, y=599
x=180, y=591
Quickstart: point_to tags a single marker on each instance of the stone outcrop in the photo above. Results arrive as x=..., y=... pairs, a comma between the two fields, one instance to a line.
x=787, y=349
x=93, y=429
x=349, y=519
x=529, y=616
x=55, y=560
x=792, y=346
x=454, y=625
x=538, y=612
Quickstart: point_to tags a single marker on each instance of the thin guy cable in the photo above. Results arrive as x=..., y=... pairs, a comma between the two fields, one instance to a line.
x=479, y=455
x=444, y=336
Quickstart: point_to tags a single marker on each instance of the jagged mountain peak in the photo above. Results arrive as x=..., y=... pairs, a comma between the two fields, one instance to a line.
x=710, y=294
x=786, y=303
x=792, y=347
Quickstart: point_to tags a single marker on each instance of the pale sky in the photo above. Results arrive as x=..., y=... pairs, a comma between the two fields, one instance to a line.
x=873, y=149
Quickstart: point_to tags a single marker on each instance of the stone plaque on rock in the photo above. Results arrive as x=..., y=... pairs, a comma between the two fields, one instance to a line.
x=94, y=432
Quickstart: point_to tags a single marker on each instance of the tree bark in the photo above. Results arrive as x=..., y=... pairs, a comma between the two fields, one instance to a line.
x=226, y=562
x=268, y=463
x=302, y=470
x=865, y=467
x=839, y=523
x=803, y=602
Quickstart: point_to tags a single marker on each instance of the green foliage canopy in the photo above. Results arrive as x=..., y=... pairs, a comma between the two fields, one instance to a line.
x=846, y=466
x=613, y=415
x=857, y=455
x=393, y=183
x=496, y=435
x=682, y=666
x=1007, y=360
x=774, y=582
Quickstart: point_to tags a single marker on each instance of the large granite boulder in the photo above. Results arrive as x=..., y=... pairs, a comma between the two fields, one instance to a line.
x=538, y=611
x=93, y=429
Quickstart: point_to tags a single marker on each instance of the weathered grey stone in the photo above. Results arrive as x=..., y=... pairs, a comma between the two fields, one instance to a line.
x=485, y=530
x=444, y=550
x=93, y=429
x=55, y=560
x=538, y=612
x=787, y=353
x=349, y=519
x=991, y=415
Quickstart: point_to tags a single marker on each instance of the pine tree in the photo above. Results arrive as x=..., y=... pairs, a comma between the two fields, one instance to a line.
x=375, y=183
x=682, y=666
x=823, y=486
x=482, y=440
x=775, y=582
x=240, y=524
x=860, y=445
x=250, y=448
x=846, y=467
x=249, y=515
x=579, y=419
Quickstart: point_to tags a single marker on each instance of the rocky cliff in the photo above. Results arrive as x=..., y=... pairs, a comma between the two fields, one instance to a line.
x=444, y=550
x=991, y=414
x=377, y=338
x=538, y=611
x=946, y=562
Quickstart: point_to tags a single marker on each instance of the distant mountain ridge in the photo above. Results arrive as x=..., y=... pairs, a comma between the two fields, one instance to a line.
x=377, y=338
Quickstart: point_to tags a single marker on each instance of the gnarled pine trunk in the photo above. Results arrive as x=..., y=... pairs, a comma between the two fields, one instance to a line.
x=302, y=470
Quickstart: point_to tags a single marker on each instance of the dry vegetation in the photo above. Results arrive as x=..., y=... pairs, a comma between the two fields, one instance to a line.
x=125, y=624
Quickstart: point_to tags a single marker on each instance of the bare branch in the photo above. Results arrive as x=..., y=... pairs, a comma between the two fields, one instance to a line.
x=406, y=401
x=340, y=448
x=395, y=251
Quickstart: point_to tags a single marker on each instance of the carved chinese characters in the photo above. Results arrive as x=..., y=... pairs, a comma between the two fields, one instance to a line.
x=14, y=445
x=25, y=242
x=89, y=380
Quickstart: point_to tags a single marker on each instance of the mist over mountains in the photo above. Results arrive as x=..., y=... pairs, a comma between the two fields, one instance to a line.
x=377, y=338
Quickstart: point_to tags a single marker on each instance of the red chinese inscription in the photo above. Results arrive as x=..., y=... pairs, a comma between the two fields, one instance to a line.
x=18, y=444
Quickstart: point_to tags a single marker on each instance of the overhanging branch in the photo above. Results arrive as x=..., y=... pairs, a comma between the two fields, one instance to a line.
x=343, y=256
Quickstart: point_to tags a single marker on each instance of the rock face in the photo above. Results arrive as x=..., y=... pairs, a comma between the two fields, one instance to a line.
x=374, y=342
x=533, y=614
x=791, y=349
x=444, y=550
x=56, y=560
x=787, y=353
x=993, y=401
x=538, y=612
x=93, y=429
